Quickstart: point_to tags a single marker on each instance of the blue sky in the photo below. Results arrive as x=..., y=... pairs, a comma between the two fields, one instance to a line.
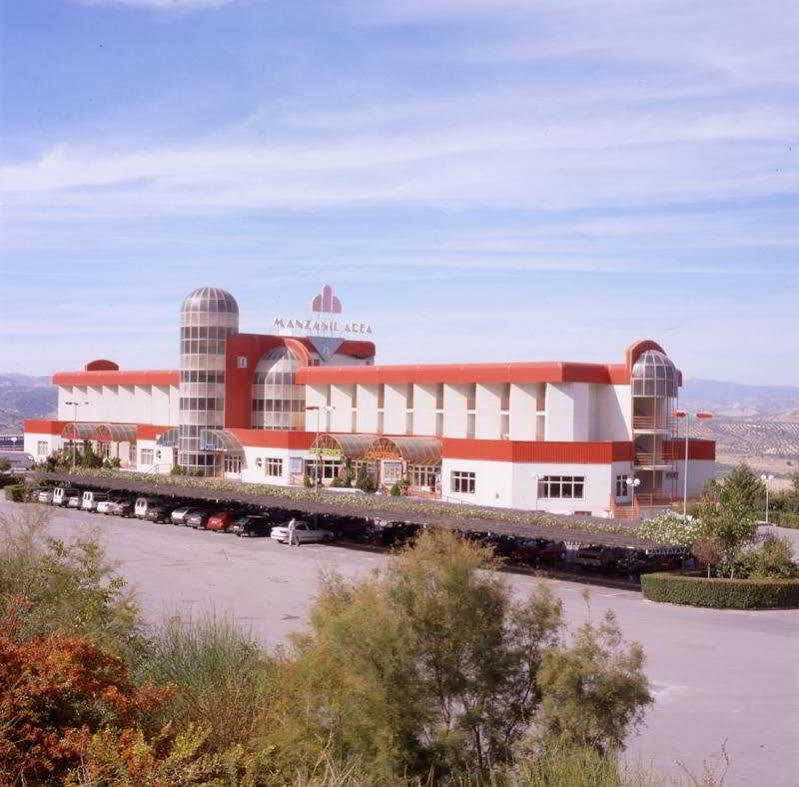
x=480, y=179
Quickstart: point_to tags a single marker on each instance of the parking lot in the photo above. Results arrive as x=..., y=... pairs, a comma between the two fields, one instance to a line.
x=717, y=675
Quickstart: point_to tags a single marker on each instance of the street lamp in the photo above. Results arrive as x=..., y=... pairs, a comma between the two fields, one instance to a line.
x=700, y=416
x=74, y=426
x=766, y=479
x=632, y=482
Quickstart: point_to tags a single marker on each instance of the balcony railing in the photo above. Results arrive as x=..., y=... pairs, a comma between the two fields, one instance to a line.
x=648, y=459
x=652, y=422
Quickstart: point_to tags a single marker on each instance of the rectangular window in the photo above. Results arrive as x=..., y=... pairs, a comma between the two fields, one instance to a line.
x=471, y=396
x=440, y=396
x=504, y=399
x=274, y=467
x=439, y=424
x=554, y=487
x=146, y=456
x=330, y=469
x=381, y=396
x=423, y=475
x=470, y=425
x=621, y=486
x=409, y=422
x=232, y=464
x=463, y=482
x=409, y=397
x=41, y=448
x=354, y=421
x=380, y=422
x=504, y=426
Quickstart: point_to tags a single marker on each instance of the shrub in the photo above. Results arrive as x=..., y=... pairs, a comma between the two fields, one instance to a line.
x=366, y=482
x=18, y=493
x=8, y=479
x=785, y=519
x=771, y=559
x=721, y=593
x=671, y=529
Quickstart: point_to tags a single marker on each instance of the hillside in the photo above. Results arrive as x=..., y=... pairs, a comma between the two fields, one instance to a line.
x=24, y=397
x=734, y=399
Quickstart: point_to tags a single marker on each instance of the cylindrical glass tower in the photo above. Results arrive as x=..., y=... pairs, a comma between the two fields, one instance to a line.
x=207, y=317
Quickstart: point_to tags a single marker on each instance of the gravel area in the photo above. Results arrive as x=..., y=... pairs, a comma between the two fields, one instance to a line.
x=717, y=675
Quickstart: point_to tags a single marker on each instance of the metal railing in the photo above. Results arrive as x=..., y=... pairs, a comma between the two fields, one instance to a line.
x=662, y=423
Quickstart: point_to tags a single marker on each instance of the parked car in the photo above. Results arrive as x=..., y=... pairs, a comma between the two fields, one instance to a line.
x=61, y=495
x=198, y=518
x=142, y=505
x=603, y=559
x=44, y=496
x=221, y=521
x=304, y=532
x=116, y=505
x=91, y=499
x=538, y=551
x=74, y=500
x=157, y=512
x=178, y=515
x=252, y=526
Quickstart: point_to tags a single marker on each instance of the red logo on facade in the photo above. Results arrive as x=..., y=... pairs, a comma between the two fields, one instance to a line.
x=326, y=301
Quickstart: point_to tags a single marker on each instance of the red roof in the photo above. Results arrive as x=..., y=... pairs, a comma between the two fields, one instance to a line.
x=547, y=372
x=145, y=377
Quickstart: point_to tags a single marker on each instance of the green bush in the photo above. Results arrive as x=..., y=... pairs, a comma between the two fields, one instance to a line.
x=7, y=479
x=18, y=493
x=784, y=519
x=720, y=593
x=770, y=559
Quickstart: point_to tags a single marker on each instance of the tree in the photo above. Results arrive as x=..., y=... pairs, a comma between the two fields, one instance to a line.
x=593, y=692
x=431, y=667
x=729, y=517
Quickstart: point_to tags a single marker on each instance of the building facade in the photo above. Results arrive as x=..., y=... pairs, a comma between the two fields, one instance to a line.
x=574, y=438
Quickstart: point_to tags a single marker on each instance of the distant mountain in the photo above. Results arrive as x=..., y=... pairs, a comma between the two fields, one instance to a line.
x=24, y=397
x=736, y=400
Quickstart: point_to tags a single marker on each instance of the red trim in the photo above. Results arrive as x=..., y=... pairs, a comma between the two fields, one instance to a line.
x=636, y=349
x=700, y=450
x=101, y=365
x=43, y=426
x=148, y=377
x=264, y=438
x=555, y=372
x=150, y=431
x=594, y=453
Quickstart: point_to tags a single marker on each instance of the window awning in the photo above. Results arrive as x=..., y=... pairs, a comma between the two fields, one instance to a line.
x=413, y=450
x=117, y=433
x=79, y=430
x=220, y=440
x=350, y=446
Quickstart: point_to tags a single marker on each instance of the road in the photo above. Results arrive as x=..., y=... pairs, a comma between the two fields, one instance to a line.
x=717, y=675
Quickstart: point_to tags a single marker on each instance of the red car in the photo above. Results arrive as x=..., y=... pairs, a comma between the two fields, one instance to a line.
x=220, y=521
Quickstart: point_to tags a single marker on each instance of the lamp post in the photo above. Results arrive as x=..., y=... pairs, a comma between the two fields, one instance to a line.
x=700, y=416
x=766, y=479
x=632, y=482
x=74, y=426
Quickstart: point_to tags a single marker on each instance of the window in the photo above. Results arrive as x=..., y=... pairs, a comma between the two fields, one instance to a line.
x=381, y=396
x=274, y=467
x=570, y=487
x=380, y=422
x=471, y=396
x=504, y=426
x=439, y=396
x=621, y=486
x=232, y=464
x=146, y=456
x=409, y=397
x=504, y=399
x=463, y=482
x=439, y=424
x=41, y=448
x=470, y=425
x=409, y=422
x=330, y=468
x=423, y=475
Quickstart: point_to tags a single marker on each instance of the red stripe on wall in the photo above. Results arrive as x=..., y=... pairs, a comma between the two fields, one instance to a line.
x=43, y=426
x=265, y=438
x=588, y=453
x=700, y=450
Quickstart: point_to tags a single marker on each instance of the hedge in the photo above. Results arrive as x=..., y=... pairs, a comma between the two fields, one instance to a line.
x=784, y=519
x=18, y=493
x=699, y=591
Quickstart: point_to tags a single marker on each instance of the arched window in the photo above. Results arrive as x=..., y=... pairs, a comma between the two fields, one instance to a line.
x=277, y=403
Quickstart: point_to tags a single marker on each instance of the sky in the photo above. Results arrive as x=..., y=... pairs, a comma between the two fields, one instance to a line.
x=481, y=180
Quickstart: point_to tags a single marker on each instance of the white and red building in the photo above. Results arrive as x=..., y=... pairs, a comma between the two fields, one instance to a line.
x=557, y=436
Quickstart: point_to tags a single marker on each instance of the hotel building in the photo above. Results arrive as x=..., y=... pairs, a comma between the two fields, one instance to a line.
x=557, y=436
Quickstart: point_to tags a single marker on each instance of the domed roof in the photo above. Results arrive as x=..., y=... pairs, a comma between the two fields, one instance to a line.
x=654, y=374
x=210, y=299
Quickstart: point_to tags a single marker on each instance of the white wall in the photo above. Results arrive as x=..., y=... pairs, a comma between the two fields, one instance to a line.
x=424, y=409
x=394, y=399
x=30, y=444
x=367, y=409
x=487, y=422
x=455, y=410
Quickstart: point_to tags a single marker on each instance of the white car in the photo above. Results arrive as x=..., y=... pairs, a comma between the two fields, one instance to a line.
x=304, y=532
x=178, y=516
x=45, y=496
x=73, y=501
